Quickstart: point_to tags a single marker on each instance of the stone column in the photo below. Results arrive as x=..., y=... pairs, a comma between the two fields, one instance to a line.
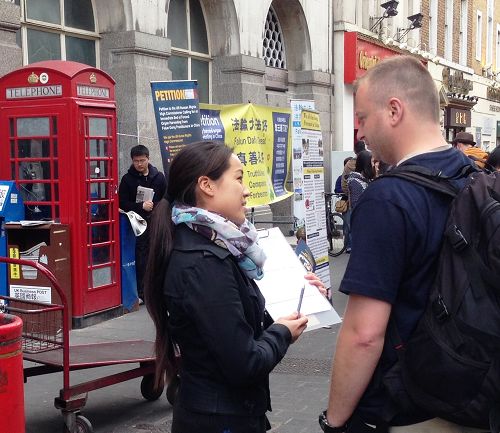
x=134, y=59
x=238, y=79
x=12, y=57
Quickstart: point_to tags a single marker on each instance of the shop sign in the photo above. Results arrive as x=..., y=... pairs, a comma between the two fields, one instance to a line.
x=495, y=108
x=92, y=91
x=457, y=118
x=361, y=55
x=493, y=93
x=455, y=81
x=33, y=92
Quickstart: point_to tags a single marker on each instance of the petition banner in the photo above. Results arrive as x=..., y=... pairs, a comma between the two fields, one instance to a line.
x=177, y=116
x=314, y=192
x=260, y=136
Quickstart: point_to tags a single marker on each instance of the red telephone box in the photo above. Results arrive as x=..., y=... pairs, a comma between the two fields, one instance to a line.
x=58, y=142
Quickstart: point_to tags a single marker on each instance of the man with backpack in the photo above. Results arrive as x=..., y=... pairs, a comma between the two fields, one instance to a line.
x=464, y=142
x=397, y=229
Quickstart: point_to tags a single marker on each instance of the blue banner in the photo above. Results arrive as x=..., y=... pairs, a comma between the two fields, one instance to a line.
x=177, y=116
x=281, y=122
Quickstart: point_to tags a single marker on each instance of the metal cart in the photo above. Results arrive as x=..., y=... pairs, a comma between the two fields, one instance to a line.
x=45, y=341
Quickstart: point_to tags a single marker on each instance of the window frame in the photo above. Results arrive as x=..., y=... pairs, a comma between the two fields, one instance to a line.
x=195, y=55
x=61, y=29
x=479, y=35
x=462, y=53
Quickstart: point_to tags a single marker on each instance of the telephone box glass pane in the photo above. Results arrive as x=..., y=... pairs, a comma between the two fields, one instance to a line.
x=34, y=148
x=33, y=127
x=98, y=148
x=100, y=255
x=100, y=234
x=80, y=50
x=79, y=14
x=11, y=124
x=98, y=169
x=101, y=276
x=44, y=10
x=98, y=127
x=99, y=212
x=43, y=46
x=98, y=190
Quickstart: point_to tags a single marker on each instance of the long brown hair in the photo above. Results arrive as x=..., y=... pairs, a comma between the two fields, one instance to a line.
x=206, y=158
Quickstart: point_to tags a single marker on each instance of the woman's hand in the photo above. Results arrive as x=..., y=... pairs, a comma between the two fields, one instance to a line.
x=296, y=323
x=315, y=281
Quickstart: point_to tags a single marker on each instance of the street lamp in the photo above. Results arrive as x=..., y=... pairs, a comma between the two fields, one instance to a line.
x=415, y=23
x=391, y=10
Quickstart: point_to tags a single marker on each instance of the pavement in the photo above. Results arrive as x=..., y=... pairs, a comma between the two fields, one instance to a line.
x=299, y=384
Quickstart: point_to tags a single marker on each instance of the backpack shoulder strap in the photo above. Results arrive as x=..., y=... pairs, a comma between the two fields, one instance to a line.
x=434, y=180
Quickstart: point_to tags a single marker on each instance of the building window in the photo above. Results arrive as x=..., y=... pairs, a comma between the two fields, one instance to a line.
x=273, y=47
x=433, y=21
x=59, y=30
x=479, y=35
x=448, y=31
x=497, y=51
x=190, y=59
x=462, y=57
x=489, y=34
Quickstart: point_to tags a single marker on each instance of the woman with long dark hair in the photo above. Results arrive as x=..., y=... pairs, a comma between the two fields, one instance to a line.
x=201, y=295
x=359, y=179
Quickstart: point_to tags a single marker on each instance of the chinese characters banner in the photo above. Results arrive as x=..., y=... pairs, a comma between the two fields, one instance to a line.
x=177, y=116
x=260, y=136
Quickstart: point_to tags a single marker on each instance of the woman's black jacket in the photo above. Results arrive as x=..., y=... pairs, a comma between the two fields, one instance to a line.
x=216, y=316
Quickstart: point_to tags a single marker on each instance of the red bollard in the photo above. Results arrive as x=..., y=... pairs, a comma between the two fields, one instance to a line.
x=11, y=374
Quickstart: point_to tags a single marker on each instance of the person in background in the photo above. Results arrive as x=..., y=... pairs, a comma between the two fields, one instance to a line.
x=338, y=182
x=141, y=173
x=464, y=141
x=350, y=165
x=493, y=161
x=359, y=179
x=202, y=297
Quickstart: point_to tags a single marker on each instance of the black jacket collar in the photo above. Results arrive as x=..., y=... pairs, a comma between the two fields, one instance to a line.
x=186, y=239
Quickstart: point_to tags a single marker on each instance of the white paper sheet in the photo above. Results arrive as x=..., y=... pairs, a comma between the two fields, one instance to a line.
x=284, y=279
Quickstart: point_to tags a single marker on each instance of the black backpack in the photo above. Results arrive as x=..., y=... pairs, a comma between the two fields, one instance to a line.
x=450, y=367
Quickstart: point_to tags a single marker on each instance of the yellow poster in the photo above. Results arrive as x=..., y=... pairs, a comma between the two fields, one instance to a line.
x=260, y=136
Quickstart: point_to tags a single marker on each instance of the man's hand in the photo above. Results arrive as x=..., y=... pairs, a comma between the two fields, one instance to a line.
x=148, y=206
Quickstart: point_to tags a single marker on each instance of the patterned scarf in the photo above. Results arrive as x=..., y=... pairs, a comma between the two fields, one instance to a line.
x=240, y=241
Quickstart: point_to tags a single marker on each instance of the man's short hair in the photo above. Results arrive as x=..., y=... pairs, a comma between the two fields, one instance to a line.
x=359, y=146
x=139, y=150
x=405, y=78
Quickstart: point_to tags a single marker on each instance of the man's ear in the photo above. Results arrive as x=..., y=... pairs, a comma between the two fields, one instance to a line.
x=396, y=110
x=205, y=186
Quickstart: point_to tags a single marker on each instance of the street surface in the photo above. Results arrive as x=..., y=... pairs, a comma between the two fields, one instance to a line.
x=299, y=384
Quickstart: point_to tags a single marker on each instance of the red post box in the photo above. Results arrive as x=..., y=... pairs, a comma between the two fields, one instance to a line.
x=11, y=374
x=58, y=142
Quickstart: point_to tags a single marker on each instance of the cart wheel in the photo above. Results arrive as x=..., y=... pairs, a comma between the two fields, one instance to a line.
x=173, y=389
x=83, y=425
x=148, y=390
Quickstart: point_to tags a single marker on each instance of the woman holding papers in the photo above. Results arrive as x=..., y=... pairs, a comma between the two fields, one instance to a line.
x=202, y=296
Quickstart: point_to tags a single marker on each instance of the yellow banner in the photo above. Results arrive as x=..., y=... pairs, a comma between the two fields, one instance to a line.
x=310, y=120
x=261, y=137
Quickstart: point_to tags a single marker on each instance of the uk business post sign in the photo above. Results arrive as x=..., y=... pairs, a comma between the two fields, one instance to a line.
x=177, y=116
x=260, y=136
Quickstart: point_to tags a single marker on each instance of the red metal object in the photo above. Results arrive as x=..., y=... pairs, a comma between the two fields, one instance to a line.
x=11, y=374
x=45, y=341
x=58, y=120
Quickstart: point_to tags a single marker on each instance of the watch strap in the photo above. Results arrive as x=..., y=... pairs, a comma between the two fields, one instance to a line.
x=327, y=428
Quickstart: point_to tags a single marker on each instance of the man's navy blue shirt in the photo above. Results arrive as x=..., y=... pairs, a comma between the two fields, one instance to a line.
x=397, y=229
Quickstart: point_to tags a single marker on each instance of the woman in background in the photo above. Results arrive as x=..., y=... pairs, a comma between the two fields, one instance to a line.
x=359, y=179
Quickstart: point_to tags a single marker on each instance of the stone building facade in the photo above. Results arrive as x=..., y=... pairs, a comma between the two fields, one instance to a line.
x=219, y=42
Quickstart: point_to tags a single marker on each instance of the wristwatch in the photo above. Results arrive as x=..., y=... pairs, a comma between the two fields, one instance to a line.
x=327, y=428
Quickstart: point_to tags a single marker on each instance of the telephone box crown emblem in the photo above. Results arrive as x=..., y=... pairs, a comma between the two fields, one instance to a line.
x=33, y=78
x=93, y=78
